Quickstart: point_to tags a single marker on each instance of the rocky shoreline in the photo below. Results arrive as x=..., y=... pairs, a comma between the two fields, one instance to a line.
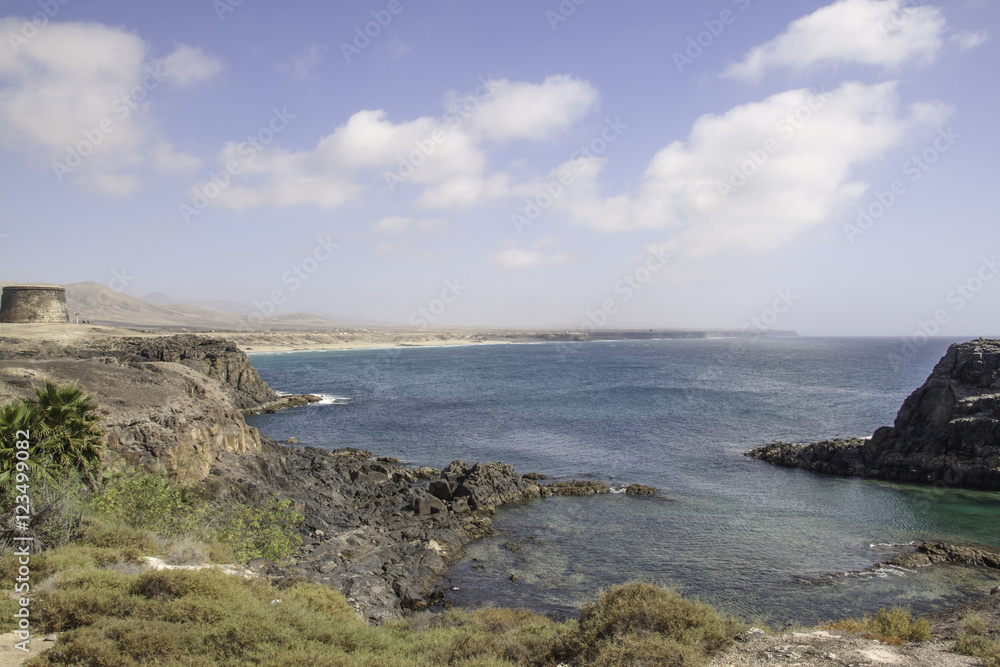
x=382, y=532
x=947, y=432
x=379, y=531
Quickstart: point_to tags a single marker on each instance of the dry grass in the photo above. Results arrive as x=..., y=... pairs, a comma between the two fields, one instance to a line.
x=894, y=626
x=975, y=641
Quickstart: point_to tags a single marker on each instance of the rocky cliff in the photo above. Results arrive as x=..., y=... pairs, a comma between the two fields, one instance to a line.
x=212, y=357
x=171, y=404
x=946, y=432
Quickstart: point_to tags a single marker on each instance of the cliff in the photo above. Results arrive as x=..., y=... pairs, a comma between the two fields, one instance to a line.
x=947, y=431
x=171, y=404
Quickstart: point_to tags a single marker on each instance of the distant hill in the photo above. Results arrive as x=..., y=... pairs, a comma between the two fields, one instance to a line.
x=99, y=304
x=234, y=307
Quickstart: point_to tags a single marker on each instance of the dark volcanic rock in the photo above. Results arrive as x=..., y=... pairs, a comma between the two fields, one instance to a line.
x=946, y=432
x=373, y=529
x=930, y=553
x=576, y=487
x=216, y=358
x=639, y=490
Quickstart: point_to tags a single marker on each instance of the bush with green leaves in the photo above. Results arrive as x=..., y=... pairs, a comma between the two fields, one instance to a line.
x=61, y=426
x=151, y=502
x=268, y=532
x=155, y=503
x=975, y=640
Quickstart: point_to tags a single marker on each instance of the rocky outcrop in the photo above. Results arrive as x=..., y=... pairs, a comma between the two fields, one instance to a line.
x=947, y=431
x=381, y=533
x=932, y=553
x=575, y=487
x=215, y=358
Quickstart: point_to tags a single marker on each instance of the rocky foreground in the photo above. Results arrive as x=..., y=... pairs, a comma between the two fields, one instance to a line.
x=947, y=432
x=379, y=531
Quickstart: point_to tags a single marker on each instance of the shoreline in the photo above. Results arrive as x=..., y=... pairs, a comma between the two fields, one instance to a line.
x=29, y=338
x=424, y=526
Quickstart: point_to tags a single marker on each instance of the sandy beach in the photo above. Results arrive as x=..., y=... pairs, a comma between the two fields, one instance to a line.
x=25, y=338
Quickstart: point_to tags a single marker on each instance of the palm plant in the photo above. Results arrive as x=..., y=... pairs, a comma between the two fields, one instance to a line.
x=64, y=429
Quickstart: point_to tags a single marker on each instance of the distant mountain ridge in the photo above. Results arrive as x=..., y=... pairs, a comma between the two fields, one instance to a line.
x=99, y=304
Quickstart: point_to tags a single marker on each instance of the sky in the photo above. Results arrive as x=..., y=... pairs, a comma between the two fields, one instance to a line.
x=823, y=167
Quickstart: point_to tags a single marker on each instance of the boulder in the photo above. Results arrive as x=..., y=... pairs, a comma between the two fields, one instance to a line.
x=947, y=432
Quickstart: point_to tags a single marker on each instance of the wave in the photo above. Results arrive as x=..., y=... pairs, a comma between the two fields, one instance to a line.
x=330, y=399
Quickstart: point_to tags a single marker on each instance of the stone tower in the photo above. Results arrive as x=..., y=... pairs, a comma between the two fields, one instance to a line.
x=34, y=304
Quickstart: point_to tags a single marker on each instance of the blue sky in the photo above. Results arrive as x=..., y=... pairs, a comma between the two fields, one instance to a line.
x=824, y=167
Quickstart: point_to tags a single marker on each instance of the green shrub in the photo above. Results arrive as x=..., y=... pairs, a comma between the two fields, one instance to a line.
x=626, y=618
x=975, y=641
x=268, y=532
x=155, y=503
x=151, y=502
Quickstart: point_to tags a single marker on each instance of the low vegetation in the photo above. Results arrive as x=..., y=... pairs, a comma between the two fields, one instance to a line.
x=107, y=613
x=894, y=626
x=975, y=641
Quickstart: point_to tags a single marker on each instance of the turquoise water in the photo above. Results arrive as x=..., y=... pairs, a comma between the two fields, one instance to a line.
x=756, y=540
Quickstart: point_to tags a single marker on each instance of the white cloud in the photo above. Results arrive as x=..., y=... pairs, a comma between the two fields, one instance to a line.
x=169, y=161
x=798, y=148
x=516, y=110
x=88, y=87
x=885, y=33
x=523, y=259
x=394, y=224
x=967, y=39
x=397, y=224
x=445, y=157
x=188, y=65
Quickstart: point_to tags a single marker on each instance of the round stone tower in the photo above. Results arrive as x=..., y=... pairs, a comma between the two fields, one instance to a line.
x=26, y=304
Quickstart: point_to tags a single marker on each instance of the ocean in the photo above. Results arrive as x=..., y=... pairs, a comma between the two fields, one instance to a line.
x=762, y=542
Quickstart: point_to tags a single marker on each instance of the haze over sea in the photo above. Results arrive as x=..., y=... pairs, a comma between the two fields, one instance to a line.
x=750, y=538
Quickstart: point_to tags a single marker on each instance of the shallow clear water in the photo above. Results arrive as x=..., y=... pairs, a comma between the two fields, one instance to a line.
x=753, y=539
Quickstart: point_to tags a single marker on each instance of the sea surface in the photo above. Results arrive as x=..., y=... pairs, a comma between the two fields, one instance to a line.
x=762, y=542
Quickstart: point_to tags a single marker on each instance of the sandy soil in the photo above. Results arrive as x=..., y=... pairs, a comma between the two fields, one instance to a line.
x=823, y=648
x=13, y=657
x=50, y=337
